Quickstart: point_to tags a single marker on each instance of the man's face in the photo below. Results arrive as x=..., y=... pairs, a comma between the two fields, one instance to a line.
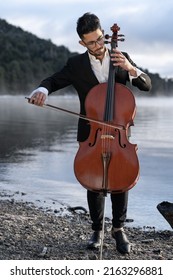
x=94, y=42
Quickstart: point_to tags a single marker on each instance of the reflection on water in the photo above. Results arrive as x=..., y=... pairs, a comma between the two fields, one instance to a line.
x=27, y=126
x=37, y=148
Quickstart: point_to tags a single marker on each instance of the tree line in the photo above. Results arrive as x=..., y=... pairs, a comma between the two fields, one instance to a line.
x=26, y=59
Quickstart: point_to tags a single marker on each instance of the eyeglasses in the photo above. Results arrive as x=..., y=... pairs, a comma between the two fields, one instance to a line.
x=92, y=44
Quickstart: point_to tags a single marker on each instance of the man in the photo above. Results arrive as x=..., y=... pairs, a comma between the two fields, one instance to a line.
x=84, y=71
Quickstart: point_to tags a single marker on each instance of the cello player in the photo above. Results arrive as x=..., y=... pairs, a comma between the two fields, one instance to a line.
x=83, y=72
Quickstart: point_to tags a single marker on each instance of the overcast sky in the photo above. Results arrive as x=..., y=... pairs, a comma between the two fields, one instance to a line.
x=146, y=24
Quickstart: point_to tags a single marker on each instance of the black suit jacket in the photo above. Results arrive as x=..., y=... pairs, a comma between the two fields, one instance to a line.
x=78, y=72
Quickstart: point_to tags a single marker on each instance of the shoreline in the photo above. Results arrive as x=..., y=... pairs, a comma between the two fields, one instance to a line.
x=29, y=232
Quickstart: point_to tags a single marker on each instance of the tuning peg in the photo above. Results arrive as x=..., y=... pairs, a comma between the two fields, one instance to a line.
x=107, y=42
x=107, y=36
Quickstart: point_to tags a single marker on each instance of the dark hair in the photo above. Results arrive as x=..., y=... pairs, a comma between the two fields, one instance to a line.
x=87, y=23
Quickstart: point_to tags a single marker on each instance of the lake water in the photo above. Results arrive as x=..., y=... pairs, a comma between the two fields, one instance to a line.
x=38, y=146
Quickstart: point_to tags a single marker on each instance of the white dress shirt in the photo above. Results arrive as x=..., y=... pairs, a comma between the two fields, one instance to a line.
x=100, y=69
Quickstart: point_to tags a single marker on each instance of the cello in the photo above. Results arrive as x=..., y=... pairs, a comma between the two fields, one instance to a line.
x=107, y=161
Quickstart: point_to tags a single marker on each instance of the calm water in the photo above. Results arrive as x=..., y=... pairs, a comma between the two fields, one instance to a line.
x=38, y=146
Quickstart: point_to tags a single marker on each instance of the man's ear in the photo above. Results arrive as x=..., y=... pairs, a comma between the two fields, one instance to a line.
x=82, y=43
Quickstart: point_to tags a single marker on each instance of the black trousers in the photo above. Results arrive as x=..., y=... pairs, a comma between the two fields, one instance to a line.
x=96, y=208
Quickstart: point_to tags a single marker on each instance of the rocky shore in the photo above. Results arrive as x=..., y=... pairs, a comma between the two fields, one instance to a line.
x=28, y=232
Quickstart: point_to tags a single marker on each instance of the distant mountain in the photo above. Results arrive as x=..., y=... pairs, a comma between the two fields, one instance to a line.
x=26, y=59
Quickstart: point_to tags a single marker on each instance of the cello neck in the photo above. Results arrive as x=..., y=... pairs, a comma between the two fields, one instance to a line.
x=110, y=96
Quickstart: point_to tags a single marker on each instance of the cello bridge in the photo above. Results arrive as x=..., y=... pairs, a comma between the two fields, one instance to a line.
x=106, y=136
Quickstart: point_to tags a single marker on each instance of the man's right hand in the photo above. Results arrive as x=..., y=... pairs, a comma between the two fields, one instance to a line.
x=38, y=98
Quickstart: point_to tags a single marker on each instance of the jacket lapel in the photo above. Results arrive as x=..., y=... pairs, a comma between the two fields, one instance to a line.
x=89, y=74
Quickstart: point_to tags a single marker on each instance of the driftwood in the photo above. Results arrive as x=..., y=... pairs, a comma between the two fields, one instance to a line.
x=166, y=209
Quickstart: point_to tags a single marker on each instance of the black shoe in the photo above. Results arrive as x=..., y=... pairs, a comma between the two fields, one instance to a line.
x=95, y=240
x=123, y=245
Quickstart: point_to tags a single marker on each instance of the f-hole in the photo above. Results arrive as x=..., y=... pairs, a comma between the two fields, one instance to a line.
x=119, y=139
x=95, y=138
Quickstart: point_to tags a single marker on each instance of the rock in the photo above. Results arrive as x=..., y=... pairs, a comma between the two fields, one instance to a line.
x=43, y=252
x=147, y=240
x=166, y=209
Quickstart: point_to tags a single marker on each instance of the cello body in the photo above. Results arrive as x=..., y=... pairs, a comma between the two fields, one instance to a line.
x=107, y=161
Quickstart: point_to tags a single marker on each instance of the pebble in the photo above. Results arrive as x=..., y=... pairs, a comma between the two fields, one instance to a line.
x=30, y=233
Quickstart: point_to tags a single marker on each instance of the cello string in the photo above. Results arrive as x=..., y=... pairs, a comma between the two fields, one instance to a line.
x=110, y=105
